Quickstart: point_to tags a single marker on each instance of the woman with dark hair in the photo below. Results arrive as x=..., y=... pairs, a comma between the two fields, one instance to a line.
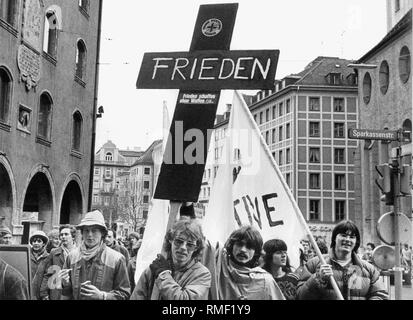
x=179, y=276
x=276, y=262
x=238, y=275
x=356, y=279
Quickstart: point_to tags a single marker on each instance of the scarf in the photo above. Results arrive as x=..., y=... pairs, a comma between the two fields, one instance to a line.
x=90, y=253
x=39, y=254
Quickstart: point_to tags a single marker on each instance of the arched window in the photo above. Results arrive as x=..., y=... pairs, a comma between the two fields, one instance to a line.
x=404, y=64
x=5, y=93
x=44, y=121
x=109, y=157
x=50, y=34
x=367, y=88
x=77, y=131
x=8, y=10
x=384, y=77
x=80, y=59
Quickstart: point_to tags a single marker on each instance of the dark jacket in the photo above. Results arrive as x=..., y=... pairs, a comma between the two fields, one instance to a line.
x=38, y=267
x=106, y=271
x=359, y=280
x=54, y=264
x=119, y=248
x=131, y=272
x=13, y=286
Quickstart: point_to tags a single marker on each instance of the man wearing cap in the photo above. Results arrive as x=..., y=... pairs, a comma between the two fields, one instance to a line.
x=93, y=271
x=5, y=236
x=38, y=257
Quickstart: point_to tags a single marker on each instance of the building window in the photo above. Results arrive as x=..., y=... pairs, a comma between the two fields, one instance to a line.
x=366, y=88
x=273, y=155
x=106, y=187
x=50, y=34
x=107, y=201
x=340, y=181
x=314, y=129
x=8, y=10
x=255, y=119
x=96, y=199
x=267, y=137
x=109, y=156
x=340, y=210
x=314, y=210
x=404, y=64
x=396, y=5
x=288, y=179
x=147, y=171
x=145, y=214
x=261, y=118
x=97, y=171
x=273, y=136
x=280, y=109
x=44, y=121
x=339, y=157
x=288, y=106
x=314, y=104
x=280, y=133
x=288, y=131
x=77, y=131
x=274, y=112
x=288, y=156
x=338, y=104
x=314, y=155
x=145, y=199
x=5, y=95
x=267, y=115
x=314, y=182
x=384, y=77
x=280, y=158
x=334, y=78
x=146, y=185
x=108, y=172
x=80, y=59
x=338, y=130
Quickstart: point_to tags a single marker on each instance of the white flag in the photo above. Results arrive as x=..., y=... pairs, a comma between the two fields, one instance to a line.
x=250, y=189
x=158, y=215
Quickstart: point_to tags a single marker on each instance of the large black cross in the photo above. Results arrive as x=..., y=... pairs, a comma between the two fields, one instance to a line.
x=200, y=74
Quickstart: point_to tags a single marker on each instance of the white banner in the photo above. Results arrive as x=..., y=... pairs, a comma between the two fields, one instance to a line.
x=250, y=189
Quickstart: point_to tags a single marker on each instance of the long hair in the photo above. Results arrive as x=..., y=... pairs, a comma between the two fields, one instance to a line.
x=253, y=240
x=270, y=247
x=343, y=227
x=190, y=229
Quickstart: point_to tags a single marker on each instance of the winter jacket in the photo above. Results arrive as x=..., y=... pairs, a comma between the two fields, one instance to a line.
x=13, y=286
x=131, y=272
x=190, y=283
x=38, y=267
x=54, y=264
x=106, y=271
x=121, y=249
x=359, y=280
x=236, y=282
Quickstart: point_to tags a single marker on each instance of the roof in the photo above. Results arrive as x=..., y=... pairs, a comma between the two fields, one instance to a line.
x=131, y=153
x=404, y=25
x=146, y=158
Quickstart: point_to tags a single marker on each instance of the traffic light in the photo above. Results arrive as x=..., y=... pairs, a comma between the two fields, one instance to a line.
x=385, y=183
x=405, y=180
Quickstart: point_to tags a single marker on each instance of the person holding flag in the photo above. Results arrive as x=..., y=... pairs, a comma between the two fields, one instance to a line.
x=179, y=276
x=356, y=278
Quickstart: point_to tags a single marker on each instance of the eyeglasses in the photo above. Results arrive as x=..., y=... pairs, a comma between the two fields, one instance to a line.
x=190, y=245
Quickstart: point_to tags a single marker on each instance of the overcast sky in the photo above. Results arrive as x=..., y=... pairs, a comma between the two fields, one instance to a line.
x=301, y=29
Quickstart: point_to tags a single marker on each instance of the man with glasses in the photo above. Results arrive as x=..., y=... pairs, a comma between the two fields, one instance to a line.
x=179, y=276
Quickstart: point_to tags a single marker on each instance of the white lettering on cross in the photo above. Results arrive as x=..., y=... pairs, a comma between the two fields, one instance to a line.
x=221, y=76
x=203, y=67
x=177, y=67
x=157, y=66
x=239, y=68
x=264, y=73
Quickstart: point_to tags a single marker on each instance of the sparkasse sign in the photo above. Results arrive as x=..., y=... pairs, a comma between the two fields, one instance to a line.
x=209, y=70
x=367, y=134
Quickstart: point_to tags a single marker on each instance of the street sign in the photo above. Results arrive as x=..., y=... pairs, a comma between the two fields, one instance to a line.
x=385, y=228
x=383, y=257
x=200, y=74
x=367, y=134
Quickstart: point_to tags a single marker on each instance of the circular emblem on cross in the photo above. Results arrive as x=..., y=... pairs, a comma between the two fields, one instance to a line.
x=212, y=27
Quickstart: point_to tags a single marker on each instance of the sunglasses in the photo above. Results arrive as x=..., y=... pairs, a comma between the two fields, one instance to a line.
x=190, y=245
